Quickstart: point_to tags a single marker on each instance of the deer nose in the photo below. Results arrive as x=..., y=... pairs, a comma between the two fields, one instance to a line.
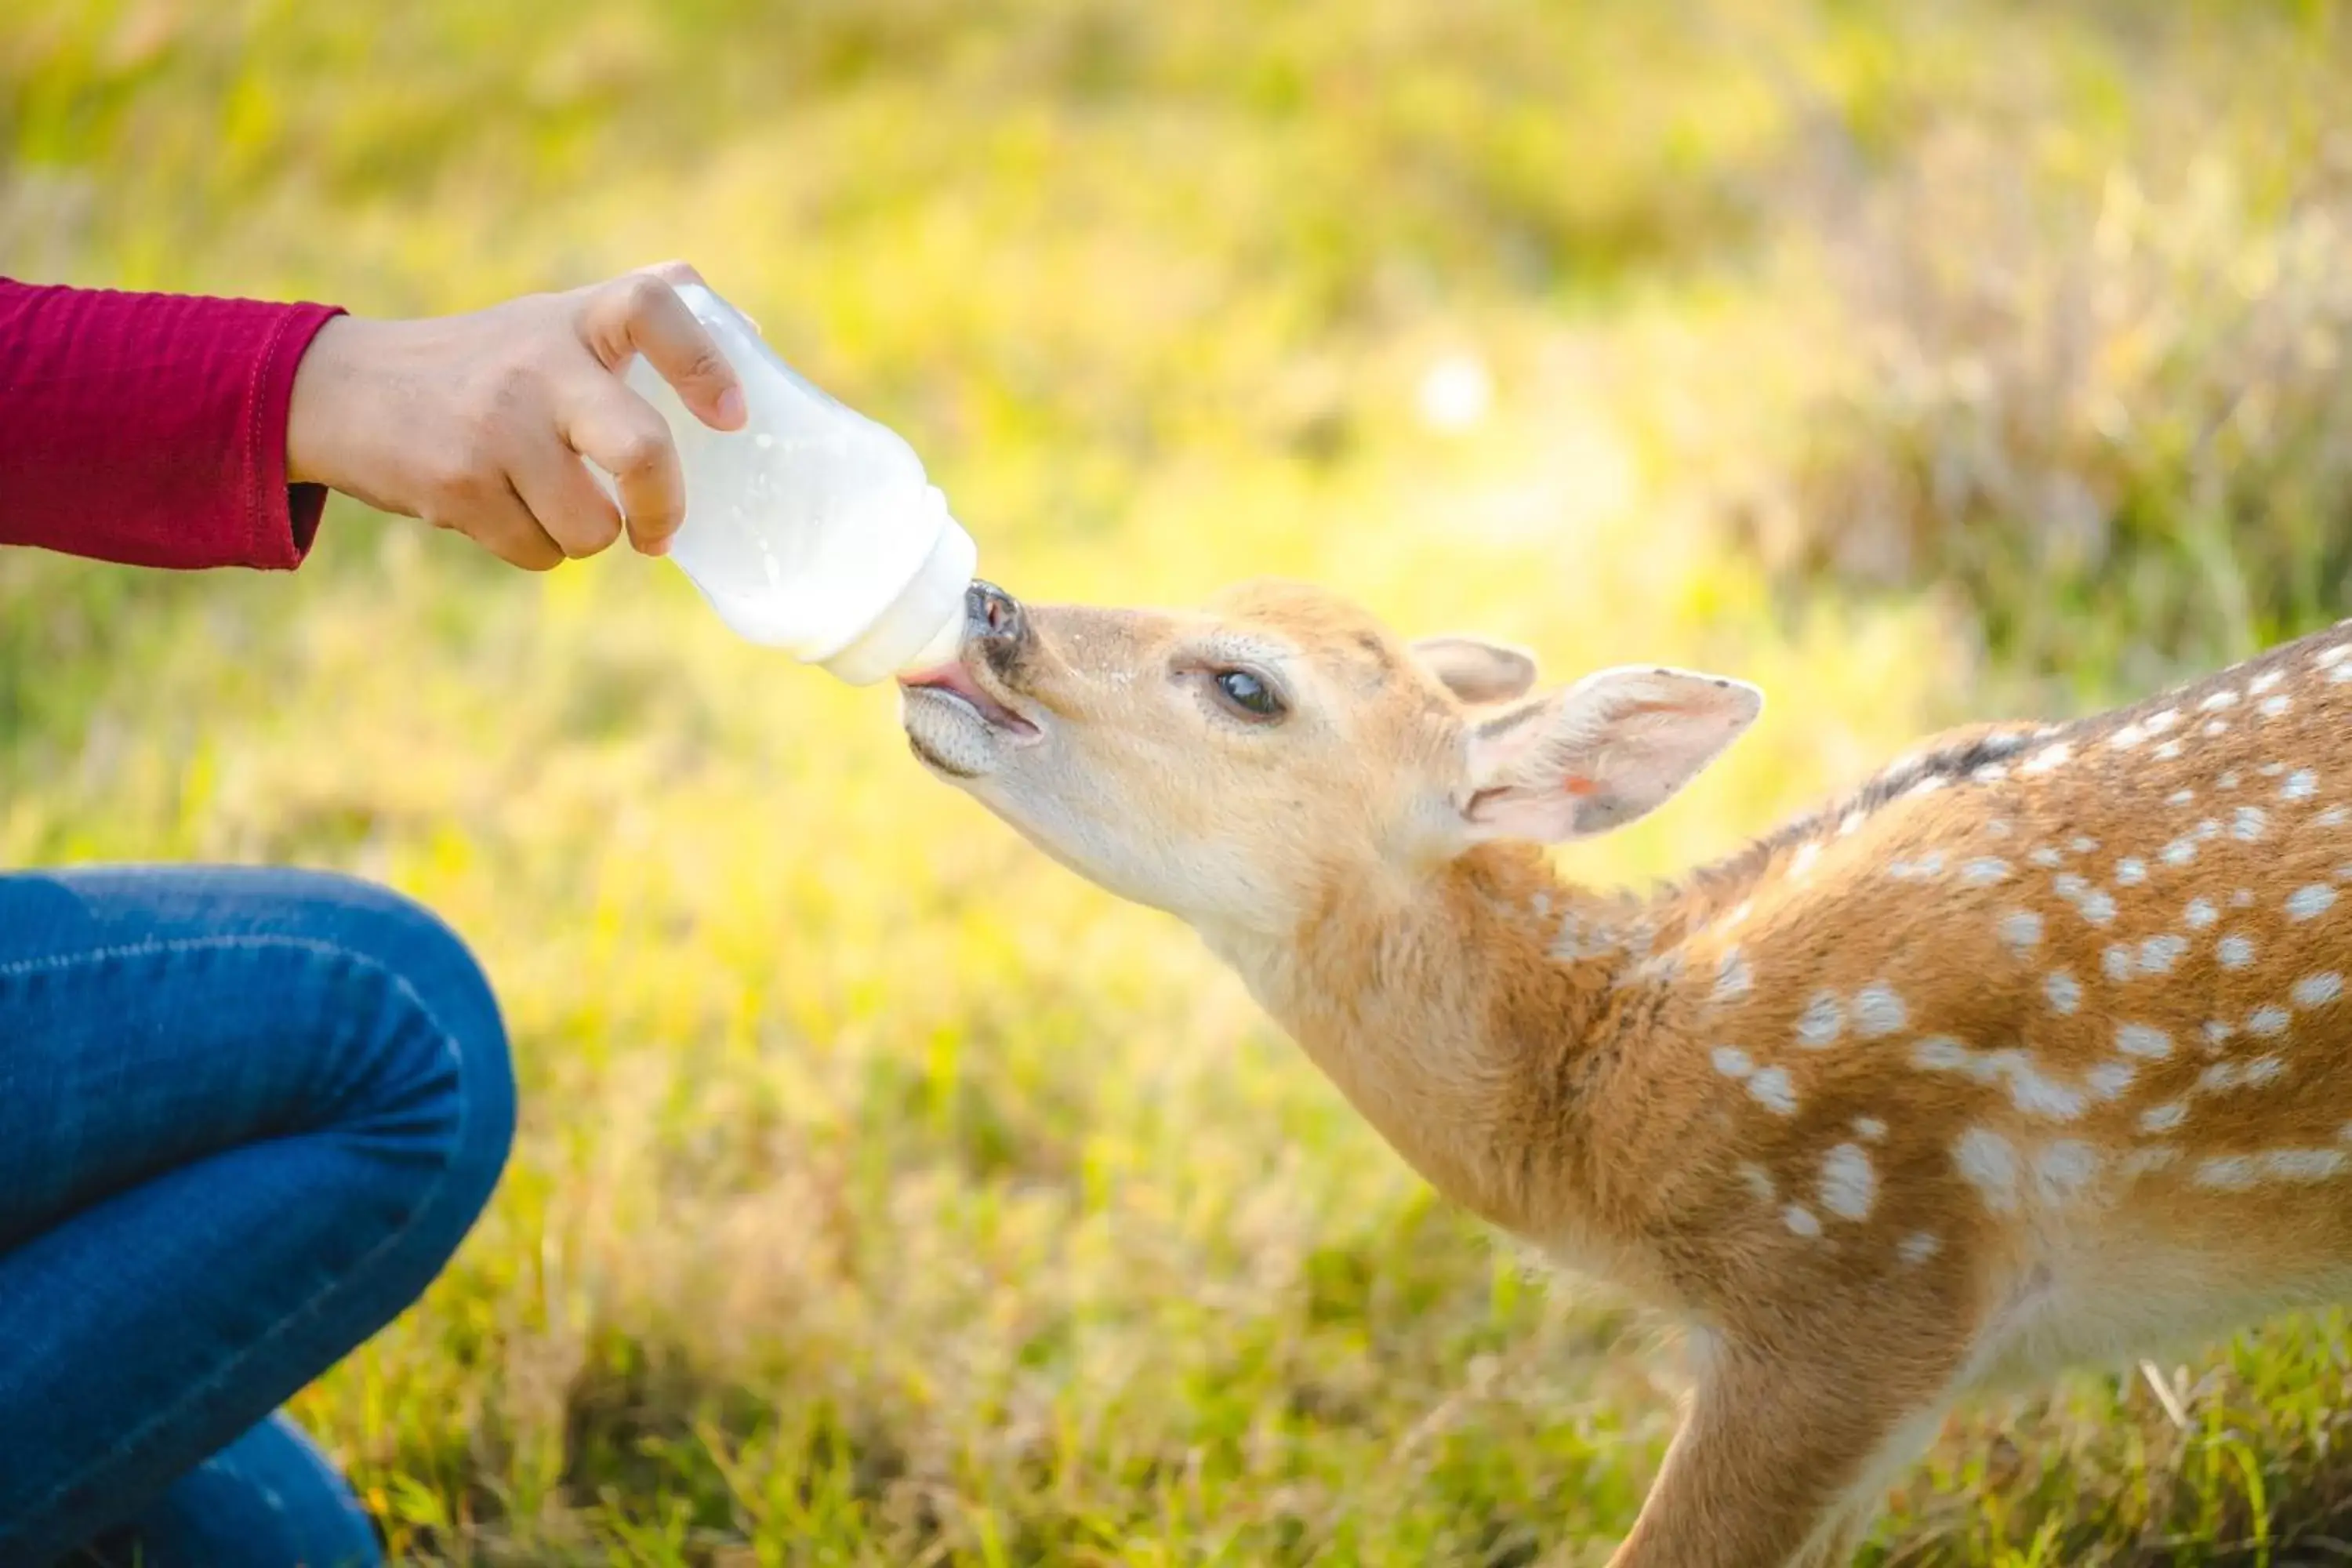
x=995, y=616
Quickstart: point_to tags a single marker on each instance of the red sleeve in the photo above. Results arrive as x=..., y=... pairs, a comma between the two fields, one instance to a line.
x=150, y=428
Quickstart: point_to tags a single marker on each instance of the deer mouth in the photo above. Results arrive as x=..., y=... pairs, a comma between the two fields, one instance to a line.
x=955, y=683
x=957, y=727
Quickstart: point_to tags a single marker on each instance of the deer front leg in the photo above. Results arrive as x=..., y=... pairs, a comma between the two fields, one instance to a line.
x=1782, y=1458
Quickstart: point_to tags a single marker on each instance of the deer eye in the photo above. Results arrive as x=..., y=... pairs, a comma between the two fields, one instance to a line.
x=1249, y=694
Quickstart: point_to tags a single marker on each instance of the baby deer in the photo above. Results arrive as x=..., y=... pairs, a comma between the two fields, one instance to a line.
x=2031, y=1051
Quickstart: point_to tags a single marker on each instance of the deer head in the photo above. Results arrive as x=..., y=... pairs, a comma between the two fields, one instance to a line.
x=1242, y=765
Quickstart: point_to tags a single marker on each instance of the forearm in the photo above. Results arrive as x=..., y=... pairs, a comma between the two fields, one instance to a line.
x=150, y=428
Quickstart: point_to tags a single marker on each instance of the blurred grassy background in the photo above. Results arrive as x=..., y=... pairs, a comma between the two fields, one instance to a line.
x=886, y=1197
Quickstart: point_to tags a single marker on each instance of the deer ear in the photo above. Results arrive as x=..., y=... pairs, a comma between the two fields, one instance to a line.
x=1475, y=670
x=1612, y=748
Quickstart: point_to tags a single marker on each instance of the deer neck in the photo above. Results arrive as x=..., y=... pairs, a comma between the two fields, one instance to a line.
x=1463, y=1014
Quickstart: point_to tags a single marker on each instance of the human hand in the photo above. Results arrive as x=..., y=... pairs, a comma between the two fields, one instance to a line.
x=477, y=423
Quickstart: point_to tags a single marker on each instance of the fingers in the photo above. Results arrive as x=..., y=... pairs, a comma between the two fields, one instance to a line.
x=500, y=522
x=565, y=502
x=619, y=432
x=641, y=314
x=674, y=272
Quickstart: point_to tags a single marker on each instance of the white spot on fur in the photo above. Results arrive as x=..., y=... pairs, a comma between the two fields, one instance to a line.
x=2117, y=962
x=2045, y=857
x=2028, y=1090
x=2218, y=1078
x=1759, y=1180
x=1878, y=1011
x=2302, y=1164
x=1989, y=1163
x=2109, y=1079
x=2155, y=1157
x=2218, y=700
x=1869, y=1129
x=2201, y=913
x=2217, y=1033
x=2130, y=871
x=2301, y=784
x=2310, y=901
x=1918, y=1247
x=1818, y=1026
x=2268, y=1022
x=2047, y=758
x=2228, y=779
x=1773, y=1091
x=2163, y=1118
x=2264, y=1069
x=1940, y=1053
x=1568, y=944
x=2179, y=852
x=1848, y=1184
x=2020, y=929
x=2098, y=906
x=2065, y=992
x=1801, y=864
x=2330, y=657
x=2063, y=1169
x=1983, y=872
x=2158, y=954
x=2229, y=1174
x=2180, y=797
x=2234, y=951
x=2318, y=990
x=2275, y=706
x=1732, y=1062
x=1732, y=978
x=2214, y=727
x=2127, y=737
x=2263, y=682
x=2246, y=826
x=2167, y=751
x=2243, y=899
x=2144, y=1041
x=1799, y=1220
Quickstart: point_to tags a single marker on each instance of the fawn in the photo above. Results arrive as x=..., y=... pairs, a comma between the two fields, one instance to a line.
x=2029, y=1051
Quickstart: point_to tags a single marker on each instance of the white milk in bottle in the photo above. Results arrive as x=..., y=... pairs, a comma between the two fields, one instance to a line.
x=812, y=529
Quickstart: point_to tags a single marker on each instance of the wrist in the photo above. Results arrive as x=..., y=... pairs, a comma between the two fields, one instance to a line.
x=318, y=411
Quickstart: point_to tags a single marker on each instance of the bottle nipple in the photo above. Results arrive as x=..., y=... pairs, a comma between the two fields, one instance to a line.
x=922, y=628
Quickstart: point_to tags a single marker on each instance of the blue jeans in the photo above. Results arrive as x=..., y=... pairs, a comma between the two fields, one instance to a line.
x=244, y=1117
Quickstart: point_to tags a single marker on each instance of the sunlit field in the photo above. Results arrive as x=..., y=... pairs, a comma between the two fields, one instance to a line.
x=885, y=1195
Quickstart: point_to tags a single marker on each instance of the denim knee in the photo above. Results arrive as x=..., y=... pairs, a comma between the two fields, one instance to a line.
x=436, y=973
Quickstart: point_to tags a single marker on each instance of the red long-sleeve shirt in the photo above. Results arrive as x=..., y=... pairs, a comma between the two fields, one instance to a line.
x=150, y=428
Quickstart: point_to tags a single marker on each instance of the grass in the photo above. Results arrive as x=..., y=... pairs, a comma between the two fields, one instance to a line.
x=886, y=1197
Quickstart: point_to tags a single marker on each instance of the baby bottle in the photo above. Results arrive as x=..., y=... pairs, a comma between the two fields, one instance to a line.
x=812, y=529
